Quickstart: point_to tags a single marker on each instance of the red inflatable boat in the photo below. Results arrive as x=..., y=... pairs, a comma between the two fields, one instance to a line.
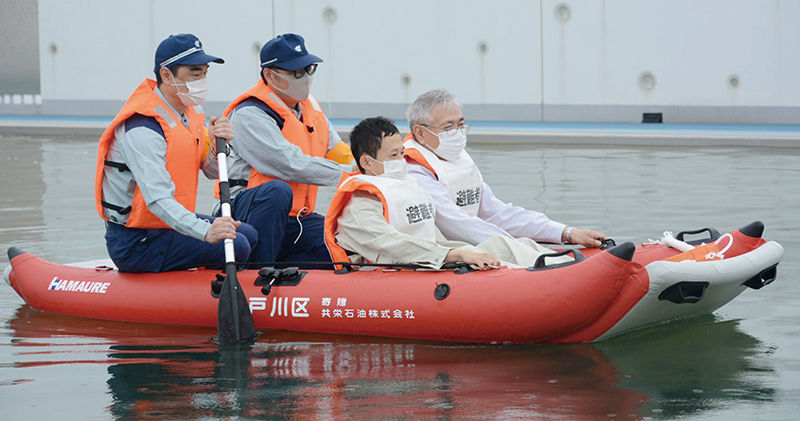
x=607, y=293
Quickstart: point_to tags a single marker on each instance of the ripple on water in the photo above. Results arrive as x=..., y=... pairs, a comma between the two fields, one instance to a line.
x=726, y=365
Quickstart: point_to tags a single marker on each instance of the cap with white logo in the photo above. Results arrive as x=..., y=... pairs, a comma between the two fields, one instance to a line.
x=288, y=52
x=183, y=49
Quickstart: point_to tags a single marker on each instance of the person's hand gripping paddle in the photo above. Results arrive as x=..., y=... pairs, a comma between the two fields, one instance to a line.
x=234, y=320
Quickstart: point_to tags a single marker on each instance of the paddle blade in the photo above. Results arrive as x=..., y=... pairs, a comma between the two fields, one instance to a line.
x=234, y=321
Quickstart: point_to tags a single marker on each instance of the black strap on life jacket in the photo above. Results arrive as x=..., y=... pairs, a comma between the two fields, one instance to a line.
x=115, y=208
x=118, y=209
x=118, y=165
x=233, y=182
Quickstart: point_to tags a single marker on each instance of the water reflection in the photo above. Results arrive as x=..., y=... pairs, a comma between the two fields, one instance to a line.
x=691, y=367
x=20, y=169
x=46, y=199
x=53, y=365
x=169, y=372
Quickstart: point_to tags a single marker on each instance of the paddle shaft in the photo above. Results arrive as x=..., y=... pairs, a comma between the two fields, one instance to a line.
x=233, y=295
x=225, y=196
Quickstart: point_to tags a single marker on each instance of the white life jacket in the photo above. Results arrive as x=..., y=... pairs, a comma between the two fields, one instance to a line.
x=410, y=208
x=461, y=176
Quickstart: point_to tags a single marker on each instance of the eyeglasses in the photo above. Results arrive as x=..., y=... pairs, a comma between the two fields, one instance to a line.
x=452, y=129
x=298, y=74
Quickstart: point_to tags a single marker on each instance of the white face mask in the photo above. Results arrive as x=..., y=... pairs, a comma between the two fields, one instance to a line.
x=198, y=91
x=298, y=88
x=450, y=146
x=395, y=168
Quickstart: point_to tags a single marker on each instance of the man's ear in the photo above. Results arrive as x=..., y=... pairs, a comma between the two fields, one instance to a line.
x=364, y=161
x=418, y=132
x=166, y=75
x=274, y=81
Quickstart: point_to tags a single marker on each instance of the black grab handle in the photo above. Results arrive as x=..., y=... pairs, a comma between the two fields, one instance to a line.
x=540, y=261
x=713, y=235
x=684, y=292
x=459, y=268
x=608, y=242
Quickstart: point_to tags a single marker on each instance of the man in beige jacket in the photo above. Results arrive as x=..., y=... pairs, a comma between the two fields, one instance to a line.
x=383, y=215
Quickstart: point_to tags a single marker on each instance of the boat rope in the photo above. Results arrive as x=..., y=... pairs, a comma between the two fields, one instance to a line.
x=721, y=254
x=329, y=265
x=673, y=242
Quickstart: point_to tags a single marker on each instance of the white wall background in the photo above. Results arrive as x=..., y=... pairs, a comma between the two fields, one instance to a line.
x=691, y=46
x=106, y=48
x=534, y=61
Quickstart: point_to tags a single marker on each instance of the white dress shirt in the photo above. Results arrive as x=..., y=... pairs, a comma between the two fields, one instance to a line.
x=494, y=218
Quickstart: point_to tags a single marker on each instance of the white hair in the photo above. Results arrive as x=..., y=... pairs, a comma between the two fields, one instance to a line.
x=420, y=111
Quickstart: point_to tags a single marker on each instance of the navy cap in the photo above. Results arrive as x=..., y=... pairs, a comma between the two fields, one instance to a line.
x=183, y=49
x=288, y=52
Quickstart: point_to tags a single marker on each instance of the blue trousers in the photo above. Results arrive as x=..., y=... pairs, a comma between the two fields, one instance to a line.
x=160, y=250
x=266, y=207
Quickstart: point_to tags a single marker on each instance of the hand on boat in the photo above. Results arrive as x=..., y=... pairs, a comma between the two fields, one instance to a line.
x=484, y=261
x=587, y=238
x=222, y=228
x=220, y=127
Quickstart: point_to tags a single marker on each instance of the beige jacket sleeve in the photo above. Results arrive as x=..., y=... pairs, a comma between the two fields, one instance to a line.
x=364, y=231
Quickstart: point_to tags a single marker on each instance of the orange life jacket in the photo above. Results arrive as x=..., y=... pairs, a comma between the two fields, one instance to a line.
x=184, y=154
x=406, y=206
x=310, y=135
x=339, y=201
x=415, y=156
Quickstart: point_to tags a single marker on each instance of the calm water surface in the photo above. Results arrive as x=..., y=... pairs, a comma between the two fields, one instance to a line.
x=743, y=362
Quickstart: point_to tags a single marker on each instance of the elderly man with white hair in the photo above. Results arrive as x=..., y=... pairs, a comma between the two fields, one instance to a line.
x=466, y=208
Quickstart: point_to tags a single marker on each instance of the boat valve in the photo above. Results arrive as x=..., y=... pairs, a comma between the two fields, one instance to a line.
x=441, y=291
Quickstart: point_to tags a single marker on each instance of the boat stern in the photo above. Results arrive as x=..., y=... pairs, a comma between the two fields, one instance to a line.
x=688, y=288
x=8, y=272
